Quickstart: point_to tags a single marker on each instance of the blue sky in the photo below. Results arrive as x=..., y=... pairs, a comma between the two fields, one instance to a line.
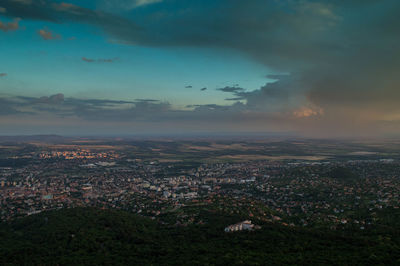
x=310, y=67
x=44, y=67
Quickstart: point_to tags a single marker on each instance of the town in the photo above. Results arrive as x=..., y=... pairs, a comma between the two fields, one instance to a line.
x=336, y=194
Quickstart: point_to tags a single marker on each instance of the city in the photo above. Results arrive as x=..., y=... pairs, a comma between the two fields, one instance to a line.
x=331, y=193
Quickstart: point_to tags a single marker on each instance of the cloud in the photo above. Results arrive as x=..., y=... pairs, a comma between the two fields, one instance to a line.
x=188, y=87
x=308, y=112
x=88, y=60
x=48, y=35
x=98, y=109
x=24, y=2
x=3, y=75
x=100, y=60
x=203, y=89
x=127, y=4
x=60, y=12
x=146, y=2
x=10, y=26
x=6, y=108
x=231, y=89
x=234, y=99
x=146, y=100
x=53, y=99
x=104, y=111
x=54, y=111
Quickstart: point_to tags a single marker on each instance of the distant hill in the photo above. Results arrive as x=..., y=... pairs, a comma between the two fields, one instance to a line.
x=29, y=138
x=86, y=236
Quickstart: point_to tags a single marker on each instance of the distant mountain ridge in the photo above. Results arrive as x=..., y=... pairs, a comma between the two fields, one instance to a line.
x=28, y=138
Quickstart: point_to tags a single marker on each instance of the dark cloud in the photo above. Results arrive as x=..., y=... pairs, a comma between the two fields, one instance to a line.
x=146, y=100
x=107, y=60
x=88, y=60
x=38, y=10
x=147, y=110
x=126, y=5
x=276, y=76
x=208, y=107
x=7, y=107
x=3, y=75
x=231, y=89
x=53, y=99
x=59, y=12
x=203, y=89
x=98, y=102
x=281, y=95
x=100, y=60
x=188, y=87
x=99, y=109
x=235, y=99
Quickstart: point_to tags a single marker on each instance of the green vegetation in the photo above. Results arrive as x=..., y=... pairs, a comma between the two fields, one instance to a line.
x=103, y=237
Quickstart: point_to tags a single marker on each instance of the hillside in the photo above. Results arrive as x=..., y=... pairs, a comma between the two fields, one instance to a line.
x=95, y=237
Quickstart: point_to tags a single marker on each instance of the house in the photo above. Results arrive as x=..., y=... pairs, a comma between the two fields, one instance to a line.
x=245, y=225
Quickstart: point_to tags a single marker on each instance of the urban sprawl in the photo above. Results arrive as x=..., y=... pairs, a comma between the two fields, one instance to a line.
x=289, y=192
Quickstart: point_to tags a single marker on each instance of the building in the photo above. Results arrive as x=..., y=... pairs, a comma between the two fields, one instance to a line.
x=245, y=225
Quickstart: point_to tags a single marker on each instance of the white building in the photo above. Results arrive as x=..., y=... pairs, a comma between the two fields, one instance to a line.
x=245, y=225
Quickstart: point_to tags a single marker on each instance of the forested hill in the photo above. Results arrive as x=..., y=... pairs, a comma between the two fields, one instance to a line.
x=107, y=237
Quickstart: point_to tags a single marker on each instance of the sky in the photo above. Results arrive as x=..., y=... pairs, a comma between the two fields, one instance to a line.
x=307, y=68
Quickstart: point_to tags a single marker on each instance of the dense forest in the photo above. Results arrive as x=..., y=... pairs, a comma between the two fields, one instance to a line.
x=103, y=237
